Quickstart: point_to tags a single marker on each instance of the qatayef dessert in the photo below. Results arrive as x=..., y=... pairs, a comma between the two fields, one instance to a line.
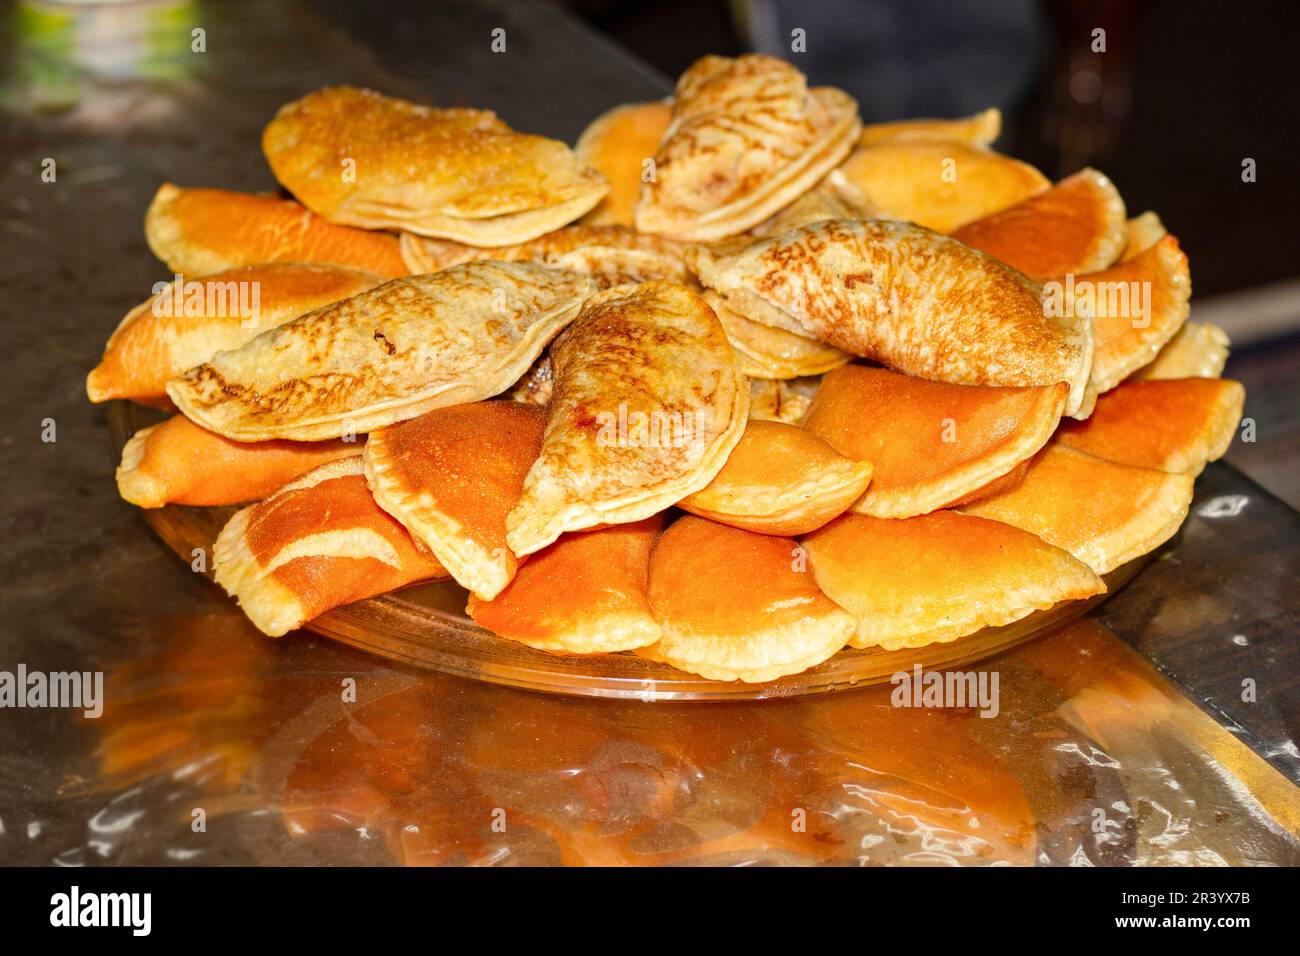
x=737, y=385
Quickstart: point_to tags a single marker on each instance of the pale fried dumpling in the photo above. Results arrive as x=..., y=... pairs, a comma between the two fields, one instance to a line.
x=735, y=605
x=772, y=353
x=780, y=479
x=932, y=444
x=612, y=255
x=177, y=462
x=1102, y=512
x=584, y=594
x=187, y=324
x=450, y=476
x=907, y=297
x=782, y=400
x=1076, y=226
x=1137, y=306
x=1173, y=425
x=747, y=138
x=457, y=174
x=317, y=543
x=978, y=129
x=395, y=352
x=619, y=144
x=201, y=231
x=648, y=403
x=937, y=577
x=1197, y=350
x=939, y=184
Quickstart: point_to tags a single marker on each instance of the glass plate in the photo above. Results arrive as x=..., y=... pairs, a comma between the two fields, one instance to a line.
x=426, y=626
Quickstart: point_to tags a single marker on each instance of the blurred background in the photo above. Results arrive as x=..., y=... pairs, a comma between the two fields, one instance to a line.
x=1168, y=98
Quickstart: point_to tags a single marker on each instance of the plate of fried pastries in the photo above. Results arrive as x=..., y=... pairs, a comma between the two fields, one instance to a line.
x=738, y=397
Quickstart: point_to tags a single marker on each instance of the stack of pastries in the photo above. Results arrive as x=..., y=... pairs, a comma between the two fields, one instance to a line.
x=733, y=384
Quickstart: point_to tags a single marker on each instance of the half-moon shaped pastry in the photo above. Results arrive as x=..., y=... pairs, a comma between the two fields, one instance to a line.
x=1076, y=226
x=764, y=351
x=979, y=129
x=201, y=231
x=647, y=405
x=193, y=319
x=735, y=605
x=780, y=479
x=584, y=594
x=939, y=184
x=450, y=476
x=1102, y=512
x=360, y=158
x=1137, y=306
x=395, y=352
x=1197, y=350
x=909, y=298
x=620, y=145
x=1175, y=425
x=177, y=462
x=932, y=444
x=747, y=138
x=317, y=543
x=1142, y=233
x=612, y=255
x=937, y=577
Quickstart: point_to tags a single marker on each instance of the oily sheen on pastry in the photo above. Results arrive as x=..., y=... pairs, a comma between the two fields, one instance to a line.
x=317, y=543
x=586, y=593
x=1197, y=350
x=938, y=577
x=907, y=297
x=194, y=318
x=201, y=231
x=457, y=174
x=647, y=405
x=395, y=352
x=932, y=444
x=747, y=137
x=451, y=475
x=735, y=605
x=177, y=462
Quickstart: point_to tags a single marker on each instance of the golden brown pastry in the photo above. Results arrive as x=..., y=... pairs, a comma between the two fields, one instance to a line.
x=1197, y=350
x=317, y=543
x=937, y=577
x=1104, y=513
x=766, y=352
x=1076, y=226
x=201, y=231
x=735, y=605
x=177, y=462
x=747, y=138
x=395, y=352
x=360, y=158
x=939, y=184
x=932, y=444
x=192, y=320
x=780, y=479
x=612, y=255
x=620, y=144
x=1137, y=306
x=584, y=594
x=978, y=129
x=908, y=297
x=1141, y=233
x=1174, y=425
x=450, y=476
x=648, y=403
